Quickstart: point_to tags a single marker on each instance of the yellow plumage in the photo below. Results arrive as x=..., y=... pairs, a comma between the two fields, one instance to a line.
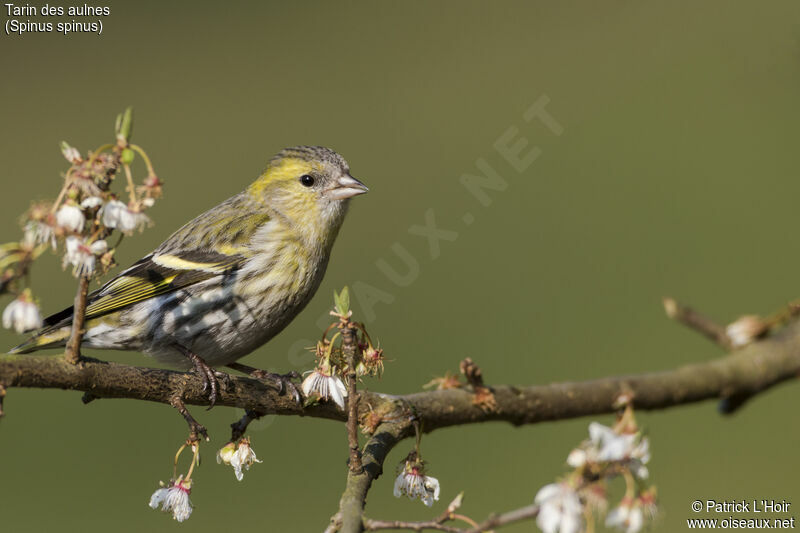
x=229, y=280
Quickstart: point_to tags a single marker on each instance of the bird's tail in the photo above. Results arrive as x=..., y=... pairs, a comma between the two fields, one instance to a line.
x=47, y=338
x=54, y=334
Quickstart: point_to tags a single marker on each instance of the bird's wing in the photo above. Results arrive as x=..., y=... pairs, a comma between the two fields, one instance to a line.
x=153, y=275
x=184, y=259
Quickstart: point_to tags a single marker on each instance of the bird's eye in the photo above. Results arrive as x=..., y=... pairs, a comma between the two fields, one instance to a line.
x=307, y=180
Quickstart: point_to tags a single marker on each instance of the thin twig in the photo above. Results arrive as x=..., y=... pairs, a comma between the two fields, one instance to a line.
x=239, y=427
x=349, y=349
x=528, y=512
x=62, y=192
x=377, y=525
x=88, y=397
x=517, y=515
x=698, y=322
x=72, y=353
x=131, y=188
x=437, y=524
x=782, y=316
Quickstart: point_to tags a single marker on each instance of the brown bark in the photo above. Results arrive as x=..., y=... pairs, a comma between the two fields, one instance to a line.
x=733, y=378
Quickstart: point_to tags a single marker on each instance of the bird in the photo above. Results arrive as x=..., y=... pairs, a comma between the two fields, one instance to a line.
x=230, y=280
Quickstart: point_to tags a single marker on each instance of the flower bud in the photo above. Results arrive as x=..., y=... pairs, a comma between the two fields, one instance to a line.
x=124, y=126
x=70, y=153
x=744, y=330
x=127, y=156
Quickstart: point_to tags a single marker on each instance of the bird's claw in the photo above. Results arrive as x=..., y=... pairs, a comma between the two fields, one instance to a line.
x=282, y=381
x=223, y=379
x=208, y=376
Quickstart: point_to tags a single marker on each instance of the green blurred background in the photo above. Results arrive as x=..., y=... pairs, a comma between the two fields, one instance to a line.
x=675, y=175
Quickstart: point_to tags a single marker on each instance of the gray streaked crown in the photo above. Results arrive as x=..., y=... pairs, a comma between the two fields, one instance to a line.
x=312, y=153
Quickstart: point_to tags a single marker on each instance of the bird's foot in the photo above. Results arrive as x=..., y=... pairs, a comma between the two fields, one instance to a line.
x=283, y=382
x=223, y=380
x=210, y=377
x=196, y=429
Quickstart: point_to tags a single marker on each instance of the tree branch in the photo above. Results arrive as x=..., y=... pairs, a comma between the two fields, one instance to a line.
x=749, y=370
x=351, y=505
x=112, y=380
x=741, y=374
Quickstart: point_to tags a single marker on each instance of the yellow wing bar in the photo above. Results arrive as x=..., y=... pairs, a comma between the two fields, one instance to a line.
x=156, y=275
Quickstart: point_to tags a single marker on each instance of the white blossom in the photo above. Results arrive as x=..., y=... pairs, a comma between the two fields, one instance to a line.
x=639, y=457
x=577, y=458
x=76, y=252
x=225, y=453
x=133, y=221
x=647, y=501
x=175, y=499
x=70, y=217
x=626, y=516
x=414, y=484
x=98, y=247
x=560, y=509
x=243, y=456
x=117, y=215
x=39, y=233
x=609, y=446
x=111, y=213
x=328, y=387
x=82, y=256
x=91, y=202
x=594, y=498
x=22, y=315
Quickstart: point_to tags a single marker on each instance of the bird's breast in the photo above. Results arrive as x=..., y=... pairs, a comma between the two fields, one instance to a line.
x=227, y=317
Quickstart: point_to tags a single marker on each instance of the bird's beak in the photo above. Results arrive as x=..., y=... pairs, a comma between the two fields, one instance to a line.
x=346, y=187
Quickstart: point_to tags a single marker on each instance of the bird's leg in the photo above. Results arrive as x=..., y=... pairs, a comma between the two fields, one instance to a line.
x=195, y=428
x=206, y=373
x=282, y=381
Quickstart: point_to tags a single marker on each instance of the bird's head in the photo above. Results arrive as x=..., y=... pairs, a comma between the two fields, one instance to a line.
x=310, y=186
